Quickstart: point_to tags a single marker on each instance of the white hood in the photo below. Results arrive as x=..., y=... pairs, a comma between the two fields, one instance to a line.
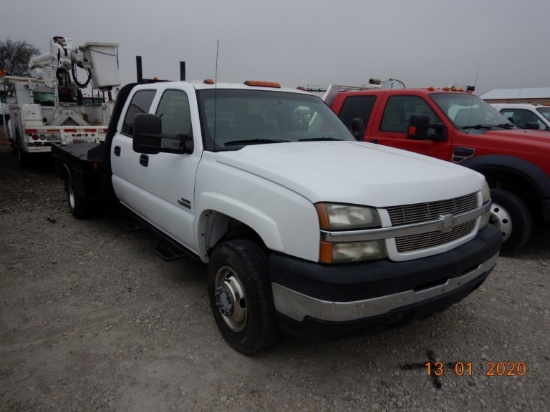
x=354, y=172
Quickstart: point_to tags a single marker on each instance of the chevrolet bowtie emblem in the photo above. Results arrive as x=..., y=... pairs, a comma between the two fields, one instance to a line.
x=446, y=222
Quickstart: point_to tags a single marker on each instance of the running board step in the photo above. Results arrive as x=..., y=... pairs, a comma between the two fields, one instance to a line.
x=131, y=224
x=168, y=251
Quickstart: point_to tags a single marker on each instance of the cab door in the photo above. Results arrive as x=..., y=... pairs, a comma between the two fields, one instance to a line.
x=167, y=180
x=124, y=161
x=392, y=123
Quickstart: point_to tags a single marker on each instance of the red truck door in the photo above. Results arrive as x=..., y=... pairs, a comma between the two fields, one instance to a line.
x=389, y=123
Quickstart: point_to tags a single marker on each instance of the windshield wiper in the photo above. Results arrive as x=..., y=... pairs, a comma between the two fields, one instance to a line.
x=479, y=126
x=319, y=139
x=252, y=141
x=506, y=125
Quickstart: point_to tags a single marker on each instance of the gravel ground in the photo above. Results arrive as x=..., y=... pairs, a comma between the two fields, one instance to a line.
x=91, y=319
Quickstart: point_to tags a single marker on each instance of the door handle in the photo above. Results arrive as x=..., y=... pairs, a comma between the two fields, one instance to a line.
x=144, y=160
x=117, y=151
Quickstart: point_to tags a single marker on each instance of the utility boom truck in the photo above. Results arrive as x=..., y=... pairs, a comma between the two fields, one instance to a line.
x=49, y=106
x=301, y=227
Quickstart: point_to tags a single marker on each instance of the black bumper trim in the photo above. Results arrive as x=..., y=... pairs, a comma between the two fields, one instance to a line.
x=367, y=280
x=315, y=328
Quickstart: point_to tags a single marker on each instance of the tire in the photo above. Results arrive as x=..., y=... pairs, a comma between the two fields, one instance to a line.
x=22, y=158
x=512, y=216
x=240, y=296
x=77, y=205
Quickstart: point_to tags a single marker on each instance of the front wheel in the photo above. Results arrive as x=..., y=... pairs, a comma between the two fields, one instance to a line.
x=77, y=205
x=511, y=215
x=240, y=296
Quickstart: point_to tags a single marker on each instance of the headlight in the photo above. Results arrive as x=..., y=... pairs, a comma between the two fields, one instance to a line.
x=339, y=217
x=333, y=216
x=352, y=251
x=486, y=197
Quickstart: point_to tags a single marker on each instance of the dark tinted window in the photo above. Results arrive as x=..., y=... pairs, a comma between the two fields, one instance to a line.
x=357, y=107
x=141, y=103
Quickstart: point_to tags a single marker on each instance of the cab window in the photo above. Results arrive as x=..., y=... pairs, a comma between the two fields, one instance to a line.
x=141, y=103
x=398, y=112
x=174, y=112
x=357, y=107
x=521, y=117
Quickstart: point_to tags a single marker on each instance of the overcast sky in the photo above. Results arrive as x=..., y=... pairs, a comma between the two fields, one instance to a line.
x=491, y=43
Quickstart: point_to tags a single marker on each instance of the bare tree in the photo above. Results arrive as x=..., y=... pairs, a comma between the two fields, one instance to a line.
x=15, y=56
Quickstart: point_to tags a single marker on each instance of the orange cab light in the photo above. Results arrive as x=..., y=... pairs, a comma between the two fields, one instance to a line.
x=302, y=88
x=259, y=83
x=446, y=89
x=325, y=252
x=460, y=89
x=431, y=88
x=155, y=78
x=208, y=81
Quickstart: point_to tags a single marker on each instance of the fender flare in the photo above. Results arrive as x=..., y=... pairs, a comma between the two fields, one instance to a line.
x=236, y=209
x=531, y=173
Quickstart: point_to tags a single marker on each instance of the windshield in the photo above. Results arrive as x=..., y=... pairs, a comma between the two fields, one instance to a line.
x=233, y=119
x=545, y=111
x=469, y=111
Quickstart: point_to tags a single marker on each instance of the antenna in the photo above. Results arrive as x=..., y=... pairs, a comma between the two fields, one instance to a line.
x=216, y=93
x=217, y=54
x=477, y=74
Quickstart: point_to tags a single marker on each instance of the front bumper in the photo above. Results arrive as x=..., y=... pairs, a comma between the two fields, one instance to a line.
x=307, y=294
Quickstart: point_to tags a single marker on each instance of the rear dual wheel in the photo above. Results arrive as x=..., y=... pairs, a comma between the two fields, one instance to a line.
x=77, y=205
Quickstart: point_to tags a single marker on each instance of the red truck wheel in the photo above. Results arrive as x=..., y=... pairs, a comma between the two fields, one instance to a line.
x=512, y=216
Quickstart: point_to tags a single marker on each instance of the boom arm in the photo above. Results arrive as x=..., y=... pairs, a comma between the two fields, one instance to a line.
x=99, y=60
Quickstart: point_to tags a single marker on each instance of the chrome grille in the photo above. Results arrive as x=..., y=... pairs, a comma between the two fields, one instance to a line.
x=423, y=212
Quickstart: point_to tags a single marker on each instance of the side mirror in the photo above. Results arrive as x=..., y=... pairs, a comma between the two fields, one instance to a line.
x=532, y=125
x=149, y=139
x=418, y=127
x=358, y=128
x=419, y=124
x=147, y=133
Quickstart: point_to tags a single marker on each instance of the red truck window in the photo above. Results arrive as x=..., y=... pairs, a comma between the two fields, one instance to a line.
x=357, y=107
x=398, y=112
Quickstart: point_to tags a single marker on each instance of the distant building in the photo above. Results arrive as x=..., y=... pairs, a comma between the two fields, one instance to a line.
x=539, y=95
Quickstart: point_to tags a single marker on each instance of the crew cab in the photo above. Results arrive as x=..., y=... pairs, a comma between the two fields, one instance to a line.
x=459, y=127
x=302, y=228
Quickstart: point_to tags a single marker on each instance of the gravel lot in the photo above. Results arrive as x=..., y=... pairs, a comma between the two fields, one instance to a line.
x=91, y=319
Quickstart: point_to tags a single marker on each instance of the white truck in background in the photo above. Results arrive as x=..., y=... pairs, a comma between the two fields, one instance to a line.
x=526, y=115
x=49, y=106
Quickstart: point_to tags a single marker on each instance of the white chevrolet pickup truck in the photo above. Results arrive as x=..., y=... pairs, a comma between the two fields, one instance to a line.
x=302, y=228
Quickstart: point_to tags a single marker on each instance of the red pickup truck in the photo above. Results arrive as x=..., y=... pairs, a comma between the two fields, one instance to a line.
x=462, y=128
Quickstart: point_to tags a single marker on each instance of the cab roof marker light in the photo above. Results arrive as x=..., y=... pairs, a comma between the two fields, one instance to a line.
x=431, y=88
x=208, y=81
x=259, y=83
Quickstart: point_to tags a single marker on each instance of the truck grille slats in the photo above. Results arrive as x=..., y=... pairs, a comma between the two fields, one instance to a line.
x=423, y=212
